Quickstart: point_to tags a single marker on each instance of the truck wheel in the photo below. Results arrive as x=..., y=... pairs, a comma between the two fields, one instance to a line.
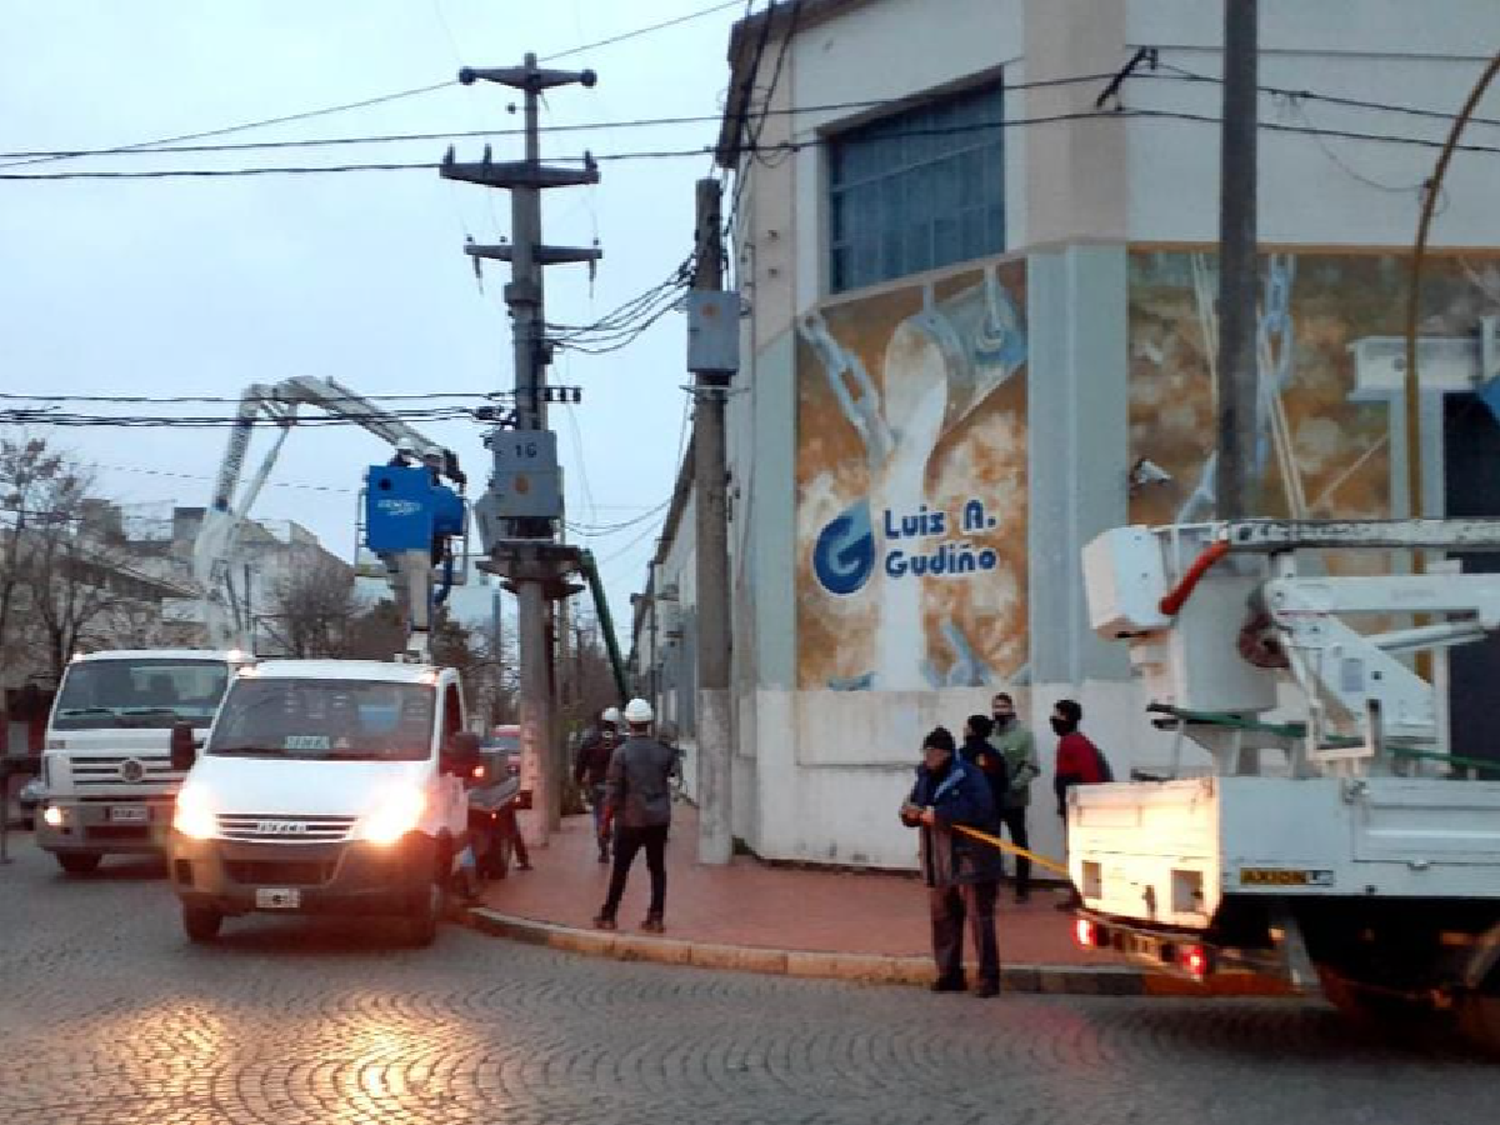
x=423, y=916
x=78, y=863
x=1479, y=1020
x=201, y=923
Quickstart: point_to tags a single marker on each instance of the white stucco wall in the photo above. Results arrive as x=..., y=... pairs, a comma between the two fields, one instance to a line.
x=819, y=774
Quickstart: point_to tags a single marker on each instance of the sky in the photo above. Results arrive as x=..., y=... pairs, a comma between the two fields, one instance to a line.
x=203, y=286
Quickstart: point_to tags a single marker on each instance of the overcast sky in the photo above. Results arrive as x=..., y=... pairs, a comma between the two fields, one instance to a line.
x=203, y=286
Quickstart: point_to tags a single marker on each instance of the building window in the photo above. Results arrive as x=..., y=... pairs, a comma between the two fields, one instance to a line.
x=917, y=190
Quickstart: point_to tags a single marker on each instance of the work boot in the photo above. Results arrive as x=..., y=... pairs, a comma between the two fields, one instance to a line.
x=653, y=924
x=987, y=990
x=603, y=922
x=948, y=984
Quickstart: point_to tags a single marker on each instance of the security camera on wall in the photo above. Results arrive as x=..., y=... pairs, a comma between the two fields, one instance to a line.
x=1147, y=472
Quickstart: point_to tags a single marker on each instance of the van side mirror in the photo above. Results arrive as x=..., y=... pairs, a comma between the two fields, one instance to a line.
x=462, y=753
x=184, y=747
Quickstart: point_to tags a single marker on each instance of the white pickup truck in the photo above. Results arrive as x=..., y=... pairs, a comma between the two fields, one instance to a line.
x=1333, y=840
x=106, y=769
x=326, y=787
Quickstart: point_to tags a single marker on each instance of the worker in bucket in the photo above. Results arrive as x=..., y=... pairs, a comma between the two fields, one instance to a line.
x=962, y=874
x=638, y=794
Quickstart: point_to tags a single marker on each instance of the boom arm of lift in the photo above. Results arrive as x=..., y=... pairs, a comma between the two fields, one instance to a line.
x=1141, y=587
x=216, y=548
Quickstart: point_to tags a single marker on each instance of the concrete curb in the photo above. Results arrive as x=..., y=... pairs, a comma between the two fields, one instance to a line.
x=867, y=968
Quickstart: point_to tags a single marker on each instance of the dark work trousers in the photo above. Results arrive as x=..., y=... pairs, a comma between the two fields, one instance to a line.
x=628, y=841
x=1015, y=823
x=950, y=905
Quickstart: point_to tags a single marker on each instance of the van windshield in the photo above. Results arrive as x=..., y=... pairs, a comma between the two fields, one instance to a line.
x=343, y=719
x=116, y=694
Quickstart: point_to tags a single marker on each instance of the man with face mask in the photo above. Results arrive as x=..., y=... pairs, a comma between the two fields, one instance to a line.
x=1016, y=744
x=1079, y=761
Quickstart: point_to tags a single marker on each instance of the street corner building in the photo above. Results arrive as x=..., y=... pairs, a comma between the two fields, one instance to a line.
x=975, y=245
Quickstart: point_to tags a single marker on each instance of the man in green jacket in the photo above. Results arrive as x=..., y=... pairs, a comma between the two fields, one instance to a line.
x=1015, y=742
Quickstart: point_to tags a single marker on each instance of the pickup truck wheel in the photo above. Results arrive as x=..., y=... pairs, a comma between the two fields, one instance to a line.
x=201, y=923
x=423, y=916
x=78, y=863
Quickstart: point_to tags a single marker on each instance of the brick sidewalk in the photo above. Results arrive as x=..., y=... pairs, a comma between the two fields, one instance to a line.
x=754, y=904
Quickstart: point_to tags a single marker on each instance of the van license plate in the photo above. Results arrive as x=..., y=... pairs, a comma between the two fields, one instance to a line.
x=129, y=814
x=277, y=898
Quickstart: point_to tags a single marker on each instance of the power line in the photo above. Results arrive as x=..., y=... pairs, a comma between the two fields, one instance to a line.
x=1182, y=74
x=465, y=134
x=174, y=399
x=784, y=147
x=379, y=99
x=625, y=37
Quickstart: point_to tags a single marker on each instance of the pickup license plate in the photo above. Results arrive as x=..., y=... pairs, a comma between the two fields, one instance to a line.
x=277, y=898
x=129, y=814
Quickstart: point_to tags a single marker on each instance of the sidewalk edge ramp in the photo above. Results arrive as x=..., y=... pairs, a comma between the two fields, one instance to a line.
x=1071, y=980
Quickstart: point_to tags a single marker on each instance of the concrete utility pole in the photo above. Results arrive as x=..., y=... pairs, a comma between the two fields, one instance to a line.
x=1239, y=275
x=518, y=516
x=713, y=342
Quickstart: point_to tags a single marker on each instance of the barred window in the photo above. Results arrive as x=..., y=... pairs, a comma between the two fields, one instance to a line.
x=918, y=189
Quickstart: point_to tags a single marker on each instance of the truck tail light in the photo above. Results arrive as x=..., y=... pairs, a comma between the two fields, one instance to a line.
x=1086, y=933
x=1194, y=959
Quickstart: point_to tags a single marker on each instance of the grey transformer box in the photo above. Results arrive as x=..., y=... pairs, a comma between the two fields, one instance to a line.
x=527, y=483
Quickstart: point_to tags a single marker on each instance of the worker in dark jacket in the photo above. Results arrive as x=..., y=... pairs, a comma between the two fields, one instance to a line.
x=984, y=756
x=591, y=770
x=639, y=796
x=962, y=873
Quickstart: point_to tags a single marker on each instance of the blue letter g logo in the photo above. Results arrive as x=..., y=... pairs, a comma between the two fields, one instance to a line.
x=844, y=555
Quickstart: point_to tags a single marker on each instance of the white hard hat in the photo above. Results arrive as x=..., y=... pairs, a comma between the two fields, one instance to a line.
x=611, y=715
x=432, y=453
x=638, y=711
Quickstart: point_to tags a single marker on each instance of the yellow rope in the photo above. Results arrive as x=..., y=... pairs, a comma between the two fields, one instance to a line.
x=995, y=841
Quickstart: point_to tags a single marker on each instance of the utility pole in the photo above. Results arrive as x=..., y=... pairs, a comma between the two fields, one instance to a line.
x=1239, y=274
x=713, y=354
x=518, y=515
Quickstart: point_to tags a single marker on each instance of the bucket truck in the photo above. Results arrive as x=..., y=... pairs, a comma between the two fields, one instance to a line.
x=1334, y=841
x=401, y=498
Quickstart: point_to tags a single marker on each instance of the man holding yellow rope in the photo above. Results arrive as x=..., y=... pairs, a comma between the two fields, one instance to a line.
x=950, y=799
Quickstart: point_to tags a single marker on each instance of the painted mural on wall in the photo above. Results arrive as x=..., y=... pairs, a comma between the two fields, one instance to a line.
x=911, y=486
x=1331, y=362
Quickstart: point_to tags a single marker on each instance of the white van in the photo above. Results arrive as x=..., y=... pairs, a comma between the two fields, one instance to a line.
x=325, y=787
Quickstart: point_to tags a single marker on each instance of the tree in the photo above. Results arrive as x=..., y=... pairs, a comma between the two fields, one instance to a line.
x=313, y=611
x=377, y=633
x=64, y=582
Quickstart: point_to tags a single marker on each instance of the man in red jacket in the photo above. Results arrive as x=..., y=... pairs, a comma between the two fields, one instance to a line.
x=1079, y=762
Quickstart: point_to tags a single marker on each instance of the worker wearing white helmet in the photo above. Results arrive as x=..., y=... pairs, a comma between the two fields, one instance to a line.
x=591, y=770
x=639, y=797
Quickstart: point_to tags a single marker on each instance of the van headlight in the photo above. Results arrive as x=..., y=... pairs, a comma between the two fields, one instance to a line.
x=398, y=814
x=194, y=815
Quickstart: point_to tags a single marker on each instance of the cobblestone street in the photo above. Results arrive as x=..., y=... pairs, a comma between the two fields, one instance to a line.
x=108, y=1015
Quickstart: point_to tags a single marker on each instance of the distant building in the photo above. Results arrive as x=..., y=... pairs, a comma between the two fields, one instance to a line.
x=980, y=282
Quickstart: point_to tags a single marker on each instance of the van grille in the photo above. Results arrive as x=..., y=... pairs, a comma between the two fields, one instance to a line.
x=286, y=828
